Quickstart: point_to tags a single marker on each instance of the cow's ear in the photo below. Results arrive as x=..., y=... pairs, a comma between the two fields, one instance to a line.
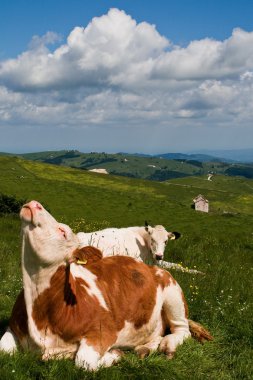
x=88, y=253
x=174, y=235
x=94, y=253
x=65, y=231
x=177, y=234
x=62, y=232
x=149, y=230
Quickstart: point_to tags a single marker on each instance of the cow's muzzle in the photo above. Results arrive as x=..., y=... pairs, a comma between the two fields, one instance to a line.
x=159, y=257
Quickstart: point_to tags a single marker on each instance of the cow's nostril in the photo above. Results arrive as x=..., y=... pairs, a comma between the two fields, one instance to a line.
x=34, y=205
x=158, y=257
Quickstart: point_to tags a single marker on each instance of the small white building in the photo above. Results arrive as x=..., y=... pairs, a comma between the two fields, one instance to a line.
x=101, y=171
x=201, y=204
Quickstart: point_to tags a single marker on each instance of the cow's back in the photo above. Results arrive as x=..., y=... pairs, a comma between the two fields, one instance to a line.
x=129, y=287
x=115, y=241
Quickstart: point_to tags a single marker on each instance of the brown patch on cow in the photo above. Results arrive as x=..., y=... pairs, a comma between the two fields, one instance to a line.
x=138, y=278
x=18, y=320
x=88, y=254
x=132, y=294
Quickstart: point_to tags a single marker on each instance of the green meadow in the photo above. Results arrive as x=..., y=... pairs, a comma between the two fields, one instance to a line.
x=219, y=243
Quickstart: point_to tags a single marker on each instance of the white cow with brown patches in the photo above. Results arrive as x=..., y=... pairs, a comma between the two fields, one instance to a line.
x=86, y=312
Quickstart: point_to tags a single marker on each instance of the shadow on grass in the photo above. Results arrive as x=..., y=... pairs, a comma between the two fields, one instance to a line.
x=3, y=326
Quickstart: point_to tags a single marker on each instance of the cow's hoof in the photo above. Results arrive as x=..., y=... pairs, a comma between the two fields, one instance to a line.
x=117, y=352
x=142, y=352
x=169, y=355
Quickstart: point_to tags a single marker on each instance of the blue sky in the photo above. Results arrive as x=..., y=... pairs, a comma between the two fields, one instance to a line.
x=146, y=76
x=179, y=20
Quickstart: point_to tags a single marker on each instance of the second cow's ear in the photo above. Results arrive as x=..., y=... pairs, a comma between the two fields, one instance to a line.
x=176, y=234
x=148, y=228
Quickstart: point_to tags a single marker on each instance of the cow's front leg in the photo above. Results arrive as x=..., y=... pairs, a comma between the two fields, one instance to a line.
x=175, y=314
x=58, y=353
x=145, y=349
x=111, y=357
x=8, y=342
x=87, y=356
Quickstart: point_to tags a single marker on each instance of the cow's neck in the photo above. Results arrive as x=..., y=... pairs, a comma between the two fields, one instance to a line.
x=36, y=278
x=145, y=235
x=35, y=282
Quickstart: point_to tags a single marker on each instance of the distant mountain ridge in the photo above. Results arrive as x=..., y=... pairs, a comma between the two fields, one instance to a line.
x=193, y=156
x=182, y=156
x=239, y=155
x=229, y=155
x=160, y=167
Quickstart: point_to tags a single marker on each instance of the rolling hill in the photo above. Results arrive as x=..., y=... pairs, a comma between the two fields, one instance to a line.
x=22, y=176
x=157, y=168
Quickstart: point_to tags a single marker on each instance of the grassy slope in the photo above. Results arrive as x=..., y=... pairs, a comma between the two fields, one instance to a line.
x=219, y=244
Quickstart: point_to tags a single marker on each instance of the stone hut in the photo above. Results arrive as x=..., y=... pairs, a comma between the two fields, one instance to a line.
x=201, y=204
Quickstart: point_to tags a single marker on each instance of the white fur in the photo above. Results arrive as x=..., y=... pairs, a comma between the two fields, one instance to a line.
x=90, y=278
x=150, y=333
x=174, y=308
x=8, y=342
x=142, y=243
x=87, y=357
x=109, y=359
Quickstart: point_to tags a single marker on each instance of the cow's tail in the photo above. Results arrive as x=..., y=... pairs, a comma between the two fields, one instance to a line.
x=198, y=332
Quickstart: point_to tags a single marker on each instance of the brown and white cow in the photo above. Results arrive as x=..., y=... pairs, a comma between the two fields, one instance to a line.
x=85, y=307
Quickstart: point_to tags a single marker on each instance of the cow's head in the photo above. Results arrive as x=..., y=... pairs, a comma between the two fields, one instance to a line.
x=159, y=237
x=45, y=240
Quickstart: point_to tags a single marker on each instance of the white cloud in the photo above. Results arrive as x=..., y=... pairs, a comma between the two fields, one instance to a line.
x=40, y=42
x=117, y=72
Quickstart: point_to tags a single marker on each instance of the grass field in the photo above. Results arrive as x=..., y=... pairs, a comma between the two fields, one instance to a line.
x=219, y=243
